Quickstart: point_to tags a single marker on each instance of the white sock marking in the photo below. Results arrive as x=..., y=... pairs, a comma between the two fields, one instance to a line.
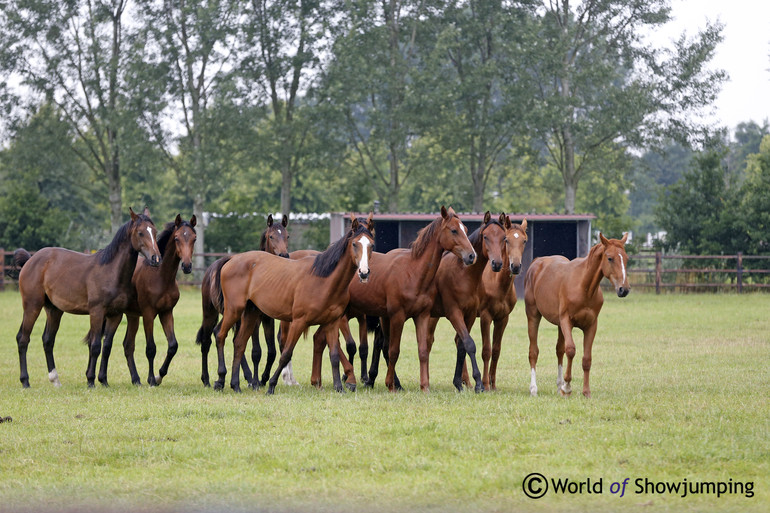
x=53, y=377
x=533, y=383
x=560, y=377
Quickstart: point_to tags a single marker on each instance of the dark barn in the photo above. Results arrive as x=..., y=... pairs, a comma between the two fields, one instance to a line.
x=548, y=234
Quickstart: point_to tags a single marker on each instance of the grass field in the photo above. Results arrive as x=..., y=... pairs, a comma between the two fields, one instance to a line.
x=680, y=392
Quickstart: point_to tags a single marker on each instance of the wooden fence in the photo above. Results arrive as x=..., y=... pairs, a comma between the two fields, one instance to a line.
x=656, y=271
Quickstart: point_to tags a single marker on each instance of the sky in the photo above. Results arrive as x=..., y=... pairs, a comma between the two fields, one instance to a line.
x=744, y=53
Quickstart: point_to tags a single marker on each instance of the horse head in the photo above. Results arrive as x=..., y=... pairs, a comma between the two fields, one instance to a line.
x=275, y=239
x=614, y=263
x=515, y=241
x=362, y=244
x=493, y=240
x=144, y=236
x=453, y=236
x=184, y=240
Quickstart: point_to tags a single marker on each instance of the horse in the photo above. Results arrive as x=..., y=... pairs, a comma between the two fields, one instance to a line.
x=497, y=298
x=312, y=290
x=566, y=292
x=458, y=293
x=157, y=293
x=97, y=285
x=275, y=240
x=402, y=288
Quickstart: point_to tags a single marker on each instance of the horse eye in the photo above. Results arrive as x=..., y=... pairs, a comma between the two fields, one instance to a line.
x=609, y=259
x=454, y=232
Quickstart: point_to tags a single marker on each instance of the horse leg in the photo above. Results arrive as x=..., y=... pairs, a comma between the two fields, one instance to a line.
x=31, y=313
x=350, y=343
x=394, y=349
x=256, y=356
x=569, y=348
x=560, y=359
x=486, y=349
x=350, y=373
x=231, y=315
x=249, y=320
x=110, y=327
x=363, y=349
x=424, y=329
x=588, y=342
x=497, y=341
x=332, y=335
x=53, y=319
x=94, y=341
x=295, y=329
x=129, y=344
x=533, y=323
x=150, y=350
x=268, y=327
x=167, y=323
x=287, y=374
x=461, y=325
x=374, y=367
x=319, y=344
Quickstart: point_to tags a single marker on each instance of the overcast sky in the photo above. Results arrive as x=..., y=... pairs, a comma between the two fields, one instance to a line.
x=744, y=53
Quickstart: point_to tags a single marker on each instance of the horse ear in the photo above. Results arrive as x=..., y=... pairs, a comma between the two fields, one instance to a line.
x=178, y=220
x=370, y=222
x=487, y=217
x=624, y=239
x=603, y=239
x=524, y=225
x=269, y=220
x=133, y=214
x=285, y=220
x=354, y=224
x=501, y=219
x=146, y=211
x=193, y=221
x=444, y=212
x=506, y=222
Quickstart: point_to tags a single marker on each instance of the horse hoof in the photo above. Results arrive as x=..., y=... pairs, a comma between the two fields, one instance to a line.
x=91, y=384
x=104, y=384
x=351, y=386
x=25, y=384
x=218, y=385
x=254, y=385
x=136, y=383
x=339, y=389
x=566, y=390
x=271, y=390
x=587, y=394
x=533, y=391
x=479, y=389
x=158, y=380
x=53, y=377
x=236, y=388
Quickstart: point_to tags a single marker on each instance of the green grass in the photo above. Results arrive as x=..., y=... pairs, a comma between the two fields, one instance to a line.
x=680, y=391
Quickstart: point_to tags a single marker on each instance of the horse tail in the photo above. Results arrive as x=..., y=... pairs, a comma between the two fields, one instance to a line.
x=372, y=323
x=20, y=257
x=215, y=290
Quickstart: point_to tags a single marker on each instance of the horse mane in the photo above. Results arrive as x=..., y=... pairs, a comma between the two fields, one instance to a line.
x=263, y=241
x=476, y=238
x=108, y=253
x=424, y=236
x=325, y=263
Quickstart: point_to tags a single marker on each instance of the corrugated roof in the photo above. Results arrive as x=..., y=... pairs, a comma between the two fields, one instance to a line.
x=468, y=216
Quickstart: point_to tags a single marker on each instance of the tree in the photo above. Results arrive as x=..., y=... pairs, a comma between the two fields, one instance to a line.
x=71, y=54
x=188, y=50
x=281, y=58
x=598, y=82
x=755, y=204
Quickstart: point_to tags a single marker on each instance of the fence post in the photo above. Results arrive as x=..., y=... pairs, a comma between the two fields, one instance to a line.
x=739, y=272
x=2, y=269
x=658, y=271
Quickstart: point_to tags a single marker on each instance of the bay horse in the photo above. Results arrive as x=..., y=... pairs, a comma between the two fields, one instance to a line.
x=458, y=292
x=402, y=288
x=498, y=298
x=157, y=293
x=308, y=291
x=275, y=240
x=97, y=285
x=567, y=293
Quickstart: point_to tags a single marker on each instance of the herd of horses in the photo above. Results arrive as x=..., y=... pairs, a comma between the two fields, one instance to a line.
x=446, y=272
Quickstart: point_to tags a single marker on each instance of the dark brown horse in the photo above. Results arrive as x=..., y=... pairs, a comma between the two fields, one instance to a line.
x=458, y=292
x=567, y=294
x=157, y=293
x=275, y=240
x=97, y=285
x=497, y=299
x=402, y=288
x=312, y=290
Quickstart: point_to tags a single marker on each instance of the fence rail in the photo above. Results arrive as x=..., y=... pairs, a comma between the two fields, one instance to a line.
x=663, y=272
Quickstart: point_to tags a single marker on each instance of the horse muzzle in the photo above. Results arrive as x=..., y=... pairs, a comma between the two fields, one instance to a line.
x=154, y=260
x=363, y=277
x=496, y=266
x=469, y=258
x=515, y=268
x=623, y=291
x=186, y=268
x=283, y=255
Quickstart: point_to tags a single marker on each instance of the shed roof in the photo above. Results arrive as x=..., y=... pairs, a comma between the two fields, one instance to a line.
x=473, y=216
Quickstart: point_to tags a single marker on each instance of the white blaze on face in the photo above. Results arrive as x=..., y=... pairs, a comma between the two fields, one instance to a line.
x=465, y=231
x=363, y=265
x=152, y=239
x=622, y=266
x=279, y=231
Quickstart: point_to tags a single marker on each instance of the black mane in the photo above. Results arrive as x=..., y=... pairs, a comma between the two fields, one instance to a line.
x=325, y=263
x=108, y=253
x=165, y=236
x=477, y=239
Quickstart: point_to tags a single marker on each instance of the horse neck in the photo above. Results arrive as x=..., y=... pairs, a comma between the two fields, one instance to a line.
x=476, y=269
x=592, y=272
x=125, y=263
x=170, y=263
x=342, y=275
x=427, y=263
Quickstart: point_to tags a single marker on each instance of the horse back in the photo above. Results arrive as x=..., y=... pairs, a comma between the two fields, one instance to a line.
x=61, y=276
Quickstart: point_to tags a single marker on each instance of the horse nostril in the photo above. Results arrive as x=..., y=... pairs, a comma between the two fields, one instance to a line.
x=515, y=269
x=284, y=255
x=623, y=292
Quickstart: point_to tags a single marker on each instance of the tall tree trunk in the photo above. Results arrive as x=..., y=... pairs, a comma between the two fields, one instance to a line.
x=199, y=262
x=286, y=188
x=568, y=173
x=114, y=191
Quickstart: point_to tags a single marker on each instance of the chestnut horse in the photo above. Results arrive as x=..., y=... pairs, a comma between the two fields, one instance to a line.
x=458, y=292
x=97, y=285
x=313, y=290
x=567, y=294
x=275, y=240
x=497, y=299
x=157, y=293
x=402, y=288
